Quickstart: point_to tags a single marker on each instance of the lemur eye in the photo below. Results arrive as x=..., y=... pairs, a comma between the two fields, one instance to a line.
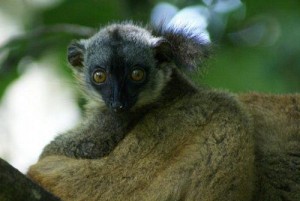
x=99, y=76
x=137, y=74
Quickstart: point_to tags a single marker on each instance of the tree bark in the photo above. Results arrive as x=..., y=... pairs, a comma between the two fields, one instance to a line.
x=15, y=186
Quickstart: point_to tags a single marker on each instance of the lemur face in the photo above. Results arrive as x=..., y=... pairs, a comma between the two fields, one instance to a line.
x=120, y=66
x=118, y=71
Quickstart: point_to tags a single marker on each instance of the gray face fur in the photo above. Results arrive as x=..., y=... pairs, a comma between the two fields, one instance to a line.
x=117, y=50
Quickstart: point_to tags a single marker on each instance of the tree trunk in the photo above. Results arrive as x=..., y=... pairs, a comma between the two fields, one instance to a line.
x=15, y=186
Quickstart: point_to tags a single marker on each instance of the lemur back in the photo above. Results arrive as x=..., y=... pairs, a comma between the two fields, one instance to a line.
x=276, y=121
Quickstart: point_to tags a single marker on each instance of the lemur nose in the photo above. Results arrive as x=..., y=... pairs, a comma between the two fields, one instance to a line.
x=117, y=106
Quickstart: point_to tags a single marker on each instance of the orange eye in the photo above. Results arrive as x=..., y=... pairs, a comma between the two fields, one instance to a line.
x=137, y=74
x=99, y=76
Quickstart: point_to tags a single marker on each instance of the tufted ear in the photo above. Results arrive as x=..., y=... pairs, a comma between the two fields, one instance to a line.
x=162, y=50
x=75, y=54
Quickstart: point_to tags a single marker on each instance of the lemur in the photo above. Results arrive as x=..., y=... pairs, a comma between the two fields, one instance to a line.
x=149, y=133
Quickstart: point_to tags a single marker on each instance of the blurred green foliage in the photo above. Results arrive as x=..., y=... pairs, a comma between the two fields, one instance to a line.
x=273, y=68
x=237, y=66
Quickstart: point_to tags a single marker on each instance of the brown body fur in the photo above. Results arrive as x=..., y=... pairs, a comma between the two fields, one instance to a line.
x=277, y=145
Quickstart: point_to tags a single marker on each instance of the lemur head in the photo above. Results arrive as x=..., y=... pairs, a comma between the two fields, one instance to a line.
x=122, y=66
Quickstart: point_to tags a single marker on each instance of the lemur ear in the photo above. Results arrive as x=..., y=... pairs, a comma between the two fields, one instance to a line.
x=75, y=54
x=162, y=50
